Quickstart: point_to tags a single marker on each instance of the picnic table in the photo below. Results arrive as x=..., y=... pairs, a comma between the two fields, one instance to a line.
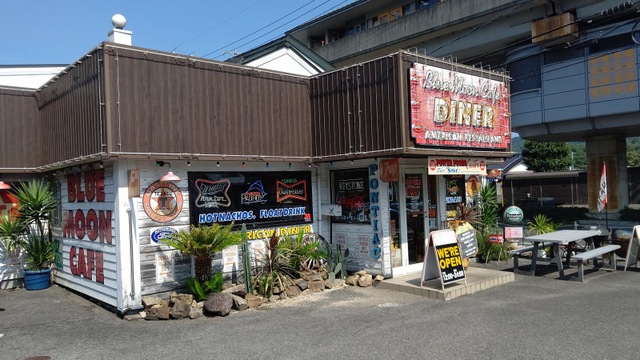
x=567, y=238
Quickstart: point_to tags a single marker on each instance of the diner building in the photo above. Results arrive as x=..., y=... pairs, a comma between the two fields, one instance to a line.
x=142, y=144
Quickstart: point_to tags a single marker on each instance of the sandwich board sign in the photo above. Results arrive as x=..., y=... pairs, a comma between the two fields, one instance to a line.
x=444, y=259
x=632, y=250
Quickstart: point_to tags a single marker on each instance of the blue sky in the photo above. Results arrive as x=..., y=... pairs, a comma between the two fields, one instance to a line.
x=61, y=31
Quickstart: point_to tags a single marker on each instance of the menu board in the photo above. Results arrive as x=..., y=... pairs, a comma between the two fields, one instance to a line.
x=466, y=235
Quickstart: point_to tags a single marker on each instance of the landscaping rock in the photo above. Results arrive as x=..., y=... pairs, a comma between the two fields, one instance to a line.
x=316, y=285
x=152, y=314
x=365, y=280
x=338, y=283
x=292, y=291
x=361, y=272
x=253, y=301
x=313, y=277
x=301, y=284
x=219, y=304
x=180, y=309
x=328, y=284
x=352, y=280
x=195, y=312
x=164, y=313
x=186, y=298
x=239, y=303
x=240, y=290
x=149, y=301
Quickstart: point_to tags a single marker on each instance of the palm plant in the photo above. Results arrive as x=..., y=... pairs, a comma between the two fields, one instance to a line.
x=305, y=251
x=202, y=242
x=541, y=224
x=11, y=229
x=37, y=201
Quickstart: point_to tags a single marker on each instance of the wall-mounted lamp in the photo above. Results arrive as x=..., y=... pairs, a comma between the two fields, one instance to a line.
x=188, y=163
x=101, y=165
x=289, y=166
x=217, y=163
x=267, y=164
x=4, y=185
x=170, y=176
x=243, y=164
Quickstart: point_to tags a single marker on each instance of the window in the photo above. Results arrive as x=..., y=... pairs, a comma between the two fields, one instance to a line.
x=351, y=191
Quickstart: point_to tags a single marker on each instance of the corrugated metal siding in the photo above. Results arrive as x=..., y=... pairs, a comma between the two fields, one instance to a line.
x=20, y=145
x=161, y=103
x=70, y=112
x=357, y=109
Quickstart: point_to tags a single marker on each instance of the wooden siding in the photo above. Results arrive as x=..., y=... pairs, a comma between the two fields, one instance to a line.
x=20, y=145
x=165, y=104
x=357, y=110
x=70, y=112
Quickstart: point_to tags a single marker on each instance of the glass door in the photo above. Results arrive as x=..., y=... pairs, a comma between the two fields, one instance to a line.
x=409, y=219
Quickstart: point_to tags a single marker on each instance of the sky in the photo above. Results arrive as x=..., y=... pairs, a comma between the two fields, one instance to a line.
x=62, y=31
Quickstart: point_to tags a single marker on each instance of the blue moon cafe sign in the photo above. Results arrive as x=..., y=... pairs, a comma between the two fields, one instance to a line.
x=513, y=215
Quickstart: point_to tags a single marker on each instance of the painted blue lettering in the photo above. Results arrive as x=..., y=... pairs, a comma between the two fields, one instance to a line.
x=372, y=169
x=374, y=210
x=373, y=183
x=373, y=197
x=376, y=252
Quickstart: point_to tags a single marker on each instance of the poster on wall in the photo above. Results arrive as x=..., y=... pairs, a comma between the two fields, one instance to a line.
x=352, y=193
x=452, y=108
x=257, y=199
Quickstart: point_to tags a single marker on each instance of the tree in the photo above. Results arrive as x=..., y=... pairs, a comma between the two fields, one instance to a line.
x=633, y=151
x=546, y=156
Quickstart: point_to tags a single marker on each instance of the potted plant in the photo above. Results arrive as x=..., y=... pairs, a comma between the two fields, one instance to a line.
x=37, y=201
x=11, y=231
x=486, y=201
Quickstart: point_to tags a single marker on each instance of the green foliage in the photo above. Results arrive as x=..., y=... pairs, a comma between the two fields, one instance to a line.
x=11, y=230
x=486, y=203
x=541, y=224
x=633, y=151
x=335, y=259
x=275, y=267
x=304, y=253
x=546, y=156
x=39, y=253
x=37, y=202
x=202, y=241
x=200, y=291
x=579, y=150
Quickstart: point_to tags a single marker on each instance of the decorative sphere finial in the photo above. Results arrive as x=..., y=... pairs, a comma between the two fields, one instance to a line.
x=118, y=21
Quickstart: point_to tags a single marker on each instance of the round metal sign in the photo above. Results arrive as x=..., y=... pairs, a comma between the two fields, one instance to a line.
x=513, y=215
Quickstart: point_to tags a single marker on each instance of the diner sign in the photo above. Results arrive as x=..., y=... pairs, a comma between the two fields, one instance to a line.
x=443, y=259
x=450, y=108
x=440, y=165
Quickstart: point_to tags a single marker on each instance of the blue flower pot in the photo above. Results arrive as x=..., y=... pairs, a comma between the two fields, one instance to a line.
x=37, y=280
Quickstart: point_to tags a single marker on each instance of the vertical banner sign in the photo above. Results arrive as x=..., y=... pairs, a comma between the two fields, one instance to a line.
x=374, y=200
x=443, y=259
x=450, y=108
x=602, y=194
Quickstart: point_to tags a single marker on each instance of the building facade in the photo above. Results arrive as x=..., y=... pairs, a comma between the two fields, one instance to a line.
x=371, y=157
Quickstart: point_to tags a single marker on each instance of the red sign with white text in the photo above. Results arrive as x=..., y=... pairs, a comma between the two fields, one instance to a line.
x=450, y=108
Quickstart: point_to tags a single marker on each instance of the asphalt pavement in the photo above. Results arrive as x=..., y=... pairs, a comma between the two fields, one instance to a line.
x=531, y=318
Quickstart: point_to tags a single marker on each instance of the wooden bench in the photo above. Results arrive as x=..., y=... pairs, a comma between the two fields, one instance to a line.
x=593, y=254
x=519, y=252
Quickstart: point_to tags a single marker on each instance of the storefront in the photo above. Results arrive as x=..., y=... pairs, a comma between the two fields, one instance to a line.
x=372, y=157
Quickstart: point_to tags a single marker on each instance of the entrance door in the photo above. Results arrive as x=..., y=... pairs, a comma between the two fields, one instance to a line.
x=409, y=242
